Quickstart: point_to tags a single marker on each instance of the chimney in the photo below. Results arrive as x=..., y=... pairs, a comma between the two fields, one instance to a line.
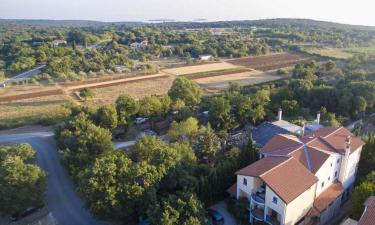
x=347, y=145
x=280, y=115
x=318, y=117
x=345, y=161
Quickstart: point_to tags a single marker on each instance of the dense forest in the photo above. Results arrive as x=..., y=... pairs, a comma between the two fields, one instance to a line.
x=91, y=50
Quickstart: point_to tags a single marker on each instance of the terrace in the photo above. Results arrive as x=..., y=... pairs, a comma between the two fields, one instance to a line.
x=259, y=196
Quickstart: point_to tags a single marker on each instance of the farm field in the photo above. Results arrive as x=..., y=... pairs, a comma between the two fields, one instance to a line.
x=271, y=61
x=137, y=89
x=30, y=111
x=336, y=53
x=244, y=79
x=199, y=68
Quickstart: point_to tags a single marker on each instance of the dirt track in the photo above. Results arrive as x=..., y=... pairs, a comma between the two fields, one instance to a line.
x=63, y=89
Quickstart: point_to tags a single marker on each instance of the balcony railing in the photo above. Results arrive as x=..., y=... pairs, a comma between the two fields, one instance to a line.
x=257, y=214
x=258, y=198
x=272, y=220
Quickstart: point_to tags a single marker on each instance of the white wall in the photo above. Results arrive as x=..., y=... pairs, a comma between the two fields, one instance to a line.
x=330, y=212
x=252, y=184
x=326, y=173
x=351, y=169
x=300, y=206
x=279, y=207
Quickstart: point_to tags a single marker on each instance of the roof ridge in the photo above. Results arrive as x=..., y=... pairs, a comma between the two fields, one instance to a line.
x=286, y=148
x=329, y=144
x=333, y=132
x=319, y=149
x=308, y=160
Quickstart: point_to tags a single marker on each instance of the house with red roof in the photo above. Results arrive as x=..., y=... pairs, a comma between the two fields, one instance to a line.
x=300, y=179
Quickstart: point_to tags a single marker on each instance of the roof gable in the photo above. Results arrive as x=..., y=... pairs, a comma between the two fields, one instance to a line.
x=289, y=180
x=261, y=166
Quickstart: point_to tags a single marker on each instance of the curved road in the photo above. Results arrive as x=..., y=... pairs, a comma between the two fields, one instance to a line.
x=61, y=197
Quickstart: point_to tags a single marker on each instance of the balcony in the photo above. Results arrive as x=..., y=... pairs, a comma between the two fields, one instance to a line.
x=272, y=220
x=258, y=198
x=257, y=214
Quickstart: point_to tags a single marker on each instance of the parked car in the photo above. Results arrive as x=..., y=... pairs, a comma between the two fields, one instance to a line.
x=140, y=120
x=215, y=217
x=26, y=212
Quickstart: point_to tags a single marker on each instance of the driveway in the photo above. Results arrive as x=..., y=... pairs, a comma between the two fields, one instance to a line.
x=61, y=197
x=222, y=208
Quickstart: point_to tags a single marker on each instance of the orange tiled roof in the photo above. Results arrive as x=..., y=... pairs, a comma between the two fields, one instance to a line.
x=316, y=158
x=232, y=190
x=328, y=196
x=261, y=166
x=289, y=179
x=368, y=216
x=313, y=147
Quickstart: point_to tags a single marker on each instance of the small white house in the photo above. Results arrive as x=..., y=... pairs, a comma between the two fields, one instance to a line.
x=206, y=57
x=56, y=43
x=136, y=45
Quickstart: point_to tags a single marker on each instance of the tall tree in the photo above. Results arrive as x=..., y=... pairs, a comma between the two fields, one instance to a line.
x=106, y=117
x=186, y=90
x=126, y=107
x=22, y=183
x=183, y=208
x=207, y=145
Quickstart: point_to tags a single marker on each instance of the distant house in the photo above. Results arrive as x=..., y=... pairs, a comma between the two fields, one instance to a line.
x=206, y=57
x=368, y=216
x=216, y=31
x=136, y=45
x=56, y=43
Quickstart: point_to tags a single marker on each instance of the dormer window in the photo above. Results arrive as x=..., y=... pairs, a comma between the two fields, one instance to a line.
x=245, y=181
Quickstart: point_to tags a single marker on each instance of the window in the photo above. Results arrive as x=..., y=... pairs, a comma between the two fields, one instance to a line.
x=322, y=184
x=329, y=178
x=331, y=164
x=336, y=174
x=245, y=181
x=274, y=199
x=338, y=160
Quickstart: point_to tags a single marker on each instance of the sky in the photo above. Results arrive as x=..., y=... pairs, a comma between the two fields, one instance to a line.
x=359, y=12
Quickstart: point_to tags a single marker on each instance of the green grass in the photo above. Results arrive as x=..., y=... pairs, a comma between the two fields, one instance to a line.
x=369, y=50
x=335, y=53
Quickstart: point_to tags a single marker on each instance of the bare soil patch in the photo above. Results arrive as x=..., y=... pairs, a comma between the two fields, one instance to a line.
x=199, y=68
x=244, y=79
x=137, y=89
x=272, y=61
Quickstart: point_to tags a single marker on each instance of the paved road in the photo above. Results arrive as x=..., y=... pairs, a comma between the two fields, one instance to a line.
x=24, y=75
x=61, y=197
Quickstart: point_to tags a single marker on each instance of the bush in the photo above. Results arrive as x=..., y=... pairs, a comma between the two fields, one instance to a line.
x=238, y=208
x=282, y=71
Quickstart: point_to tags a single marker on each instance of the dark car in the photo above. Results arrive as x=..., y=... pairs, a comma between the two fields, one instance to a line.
x=25, y=213
x=215, y=217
